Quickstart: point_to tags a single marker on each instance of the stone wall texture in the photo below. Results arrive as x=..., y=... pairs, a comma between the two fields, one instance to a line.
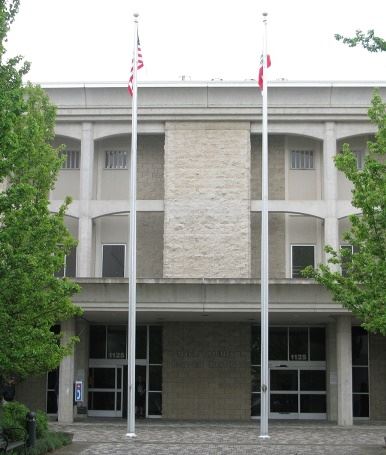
x=206, y=371
x=276, y=229
x=377, y=372
x=32, y=392
x=276, y=167
x=207, y=200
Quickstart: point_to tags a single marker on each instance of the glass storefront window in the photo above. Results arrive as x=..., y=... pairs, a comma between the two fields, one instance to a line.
x=255, y=379
x=317, y=344
x=359, y=346
x=284, y=403
x=155, y=377
x=361, y=405
x=141, y=342
x=278, y=343
x=313, y=380
x=255, y=405
x=102, y=378
x=360, y=380
x=298, y=343
x=116, y=342
x=155, y=403
x=360, y=372
x=97, y=342
x=313, y=404
x=255, y=345
x=155, y=344
x=284, y=380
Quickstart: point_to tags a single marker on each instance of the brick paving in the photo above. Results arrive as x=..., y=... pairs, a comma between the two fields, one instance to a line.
x=102, y=437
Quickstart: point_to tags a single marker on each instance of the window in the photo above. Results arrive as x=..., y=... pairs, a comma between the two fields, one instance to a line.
x=360, y=158
x=302, y=256
x=113, y=261
x=302, y=159
x=71, y=159
x=346, y=259
x=360, y=372
x=115, y=159
x=69, y=267
x=297, y=357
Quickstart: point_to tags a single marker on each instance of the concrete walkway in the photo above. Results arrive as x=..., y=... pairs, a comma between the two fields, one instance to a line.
x=156, y=437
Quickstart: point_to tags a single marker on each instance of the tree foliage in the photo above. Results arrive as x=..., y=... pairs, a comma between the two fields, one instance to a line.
x=362, y=288
x=368, y=40
x=33, y=241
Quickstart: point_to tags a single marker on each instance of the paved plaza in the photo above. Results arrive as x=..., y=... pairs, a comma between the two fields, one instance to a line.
x=100, y=437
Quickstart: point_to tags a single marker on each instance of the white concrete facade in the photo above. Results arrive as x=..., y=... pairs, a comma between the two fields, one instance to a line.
x=198, y=204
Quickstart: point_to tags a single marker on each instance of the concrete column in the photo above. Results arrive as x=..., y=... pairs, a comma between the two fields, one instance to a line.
x=84, y=250
x=332, y=374
x=330, y=185
x=82, y=360
x=330, y=173
x=344, y=367
x=66, y=378
x=86, y=162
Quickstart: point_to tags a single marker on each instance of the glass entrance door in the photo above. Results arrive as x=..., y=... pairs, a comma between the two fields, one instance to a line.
x=298, y=392
x=105, y=391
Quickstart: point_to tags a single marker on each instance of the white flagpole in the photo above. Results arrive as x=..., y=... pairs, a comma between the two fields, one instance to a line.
x=132, y=249
x=264, y=409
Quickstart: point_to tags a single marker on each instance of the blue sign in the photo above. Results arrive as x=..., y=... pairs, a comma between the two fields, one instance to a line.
x=78, y=390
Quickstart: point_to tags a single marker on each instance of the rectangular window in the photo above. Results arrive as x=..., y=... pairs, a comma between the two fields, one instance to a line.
x=113, y=261
x=302, y=159
x=360, y=372
x=115, y=159
x=71, y=159
x=302, y=256
x=360, y=158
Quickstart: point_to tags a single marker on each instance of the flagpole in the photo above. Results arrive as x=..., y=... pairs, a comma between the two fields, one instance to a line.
x=264, y=406
x=132, y=249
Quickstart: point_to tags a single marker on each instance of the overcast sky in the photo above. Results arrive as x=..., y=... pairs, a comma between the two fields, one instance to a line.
x=92, y=40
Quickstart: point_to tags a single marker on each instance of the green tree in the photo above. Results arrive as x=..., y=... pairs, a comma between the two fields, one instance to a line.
x=368, y=40
x=33, y=241
x=362, y=288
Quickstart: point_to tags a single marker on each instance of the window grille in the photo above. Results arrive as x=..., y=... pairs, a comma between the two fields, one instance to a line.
x=71, y=159
x=116, y=159
x=302, y=159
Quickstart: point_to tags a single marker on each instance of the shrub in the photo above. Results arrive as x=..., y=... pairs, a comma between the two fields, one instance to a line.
x=41, y=424
x=14, y=415
x=50, y=442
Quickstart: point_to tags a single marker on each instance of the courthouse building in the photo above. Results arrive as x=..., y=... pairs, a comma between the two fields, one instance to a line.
x=198, y=252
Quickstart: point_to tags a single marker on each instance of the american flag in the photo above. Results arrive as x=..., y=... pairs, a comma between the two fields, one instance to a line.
x=139, y=66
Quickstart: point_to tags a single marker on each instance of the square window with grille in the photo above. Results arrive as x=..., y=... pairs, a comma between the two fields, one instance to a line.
x=302, y=159
x=115, y=159
x=71, y=159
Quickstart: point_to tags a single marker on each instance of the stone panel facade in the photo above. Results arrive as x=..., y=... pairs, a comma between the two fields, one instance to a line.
x=206, y=371
x=207, y=200
x=150, y=233
x=32, y=392
x=377, y=372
